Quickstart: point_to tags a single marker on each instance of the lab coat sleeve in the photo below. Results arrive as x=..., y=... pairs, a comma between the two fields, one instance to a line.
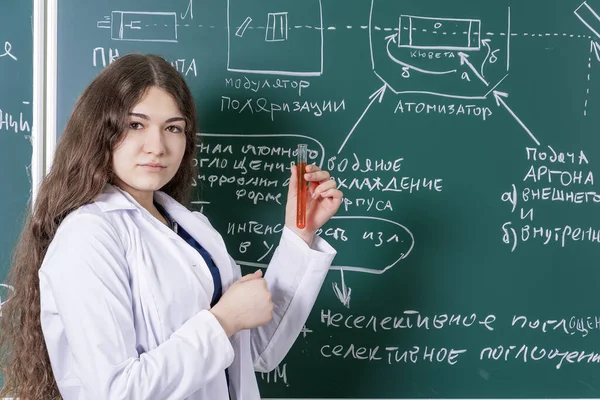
x=294, y=277
x=84, y=280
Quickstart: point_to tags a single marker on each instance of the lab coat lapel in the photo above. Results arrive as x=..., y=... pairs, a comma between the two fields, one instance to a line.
x=204, y=234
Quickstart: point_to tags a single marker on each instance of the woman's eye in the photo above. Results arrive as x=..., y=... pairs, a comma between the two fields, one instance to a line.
x=135, y=125
x=174, y=129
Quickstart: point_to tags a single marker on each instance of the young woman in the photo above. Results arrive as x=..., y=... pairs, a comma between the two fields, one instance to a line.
x=120, y=291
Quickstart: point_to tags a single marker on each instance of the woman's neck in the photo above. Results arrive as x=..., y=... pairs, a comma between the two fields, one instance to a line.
x=145, y=199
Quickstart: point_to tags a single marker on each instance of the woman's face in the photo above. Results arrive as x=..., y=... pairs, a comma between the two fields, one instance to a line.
x=152, y=148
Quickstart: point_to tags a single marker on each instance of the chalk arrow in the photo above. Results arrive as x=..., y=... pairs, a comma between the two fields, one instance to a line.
x=464, y=59
x=596, y=47
x=392, y=39
x=378, y=95
x=486, y=44
x=344, y=294
x=500, y=96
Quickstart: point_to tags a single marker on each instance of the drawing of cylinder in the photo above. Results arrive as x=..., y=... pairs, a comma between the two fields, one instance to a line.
x=439, y=33
x=144, y=26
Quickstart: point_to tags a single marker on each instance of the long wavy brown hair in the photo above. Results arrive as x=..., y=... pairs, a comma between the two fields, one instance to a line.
x=80, y=170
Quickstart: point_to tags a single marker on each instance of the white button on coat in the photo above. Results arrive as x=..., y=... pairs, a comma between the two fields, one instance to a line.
x=125, y=314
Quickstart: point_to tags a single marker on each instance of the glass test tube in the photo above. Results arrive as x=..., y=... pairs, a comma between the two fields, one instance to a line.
x=301, y=200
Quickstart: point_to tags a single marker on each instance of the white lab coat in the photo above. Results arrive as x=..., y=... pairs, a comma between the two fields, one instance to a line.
x=124, y=305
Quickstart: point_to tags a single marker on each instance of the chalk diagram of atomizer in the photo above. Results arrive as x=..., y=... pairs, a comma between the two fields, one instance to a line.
x=437, y=55
x=411, y=53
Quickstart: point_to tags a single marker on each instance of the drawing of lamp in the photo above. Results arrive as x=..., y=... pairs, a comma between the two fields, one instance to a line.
x=140, y=26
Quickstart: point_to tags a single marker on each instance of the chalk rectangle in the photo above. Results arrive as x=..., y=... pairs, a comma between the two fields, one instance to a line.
x=282, y=48
x=439, y=33
x=144, y=26
x=104, y=24
x=277, y=27
x=589, y=17
x=243, y=27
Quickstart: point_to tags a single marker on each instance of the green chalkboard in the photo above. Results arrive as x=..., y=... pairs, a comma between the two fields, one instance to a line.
x=464, y=136
x=16, y=92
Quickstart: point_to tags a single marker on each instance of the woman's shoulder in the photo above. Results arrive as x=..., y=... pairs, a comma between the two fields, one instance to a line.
x=84, y=229
x=87, y=218
x=107, y=211
x=84, y=240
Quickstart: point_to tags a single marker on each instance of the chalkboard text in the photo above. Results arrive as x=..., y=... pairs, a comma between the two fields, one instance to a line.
x=7, y=51
x=363, y=165
x=410, y=319
x=367, y=204
x=553, y=194
x=566, y=178
x=431, y=55
x=100, y=53
x=562, y=235
x=254, y=228
x=449, y=109
x=279, y=374
x=393, y=354
x=528, y=194
x=533, y=154
x=404, y=184
x=183, y=65
x=536, y=353
x=257, y=84
x=569, y=327
x=255, y=106
x=8, y=122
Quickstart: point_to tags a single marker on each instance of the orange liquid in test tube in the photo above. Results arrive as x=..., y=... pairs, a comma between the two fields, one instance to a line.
x=301, y=202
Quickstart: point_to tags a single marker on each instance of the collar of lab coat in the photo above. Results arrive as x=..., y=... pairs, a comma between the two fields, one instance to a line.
x=114, y=199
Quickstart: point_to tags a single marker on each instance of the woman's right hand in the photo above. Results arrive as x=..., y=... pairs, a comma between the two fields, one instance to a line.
x=245, y=305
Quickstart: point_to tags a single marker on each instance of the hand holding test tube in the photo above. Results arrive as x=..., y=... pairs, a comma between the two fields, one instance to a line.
x=301, y=198
x=313, y=197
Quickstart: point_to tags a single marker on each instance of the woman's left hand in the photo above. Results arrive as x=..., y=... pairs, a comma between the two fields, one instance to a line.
x=322, y=201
